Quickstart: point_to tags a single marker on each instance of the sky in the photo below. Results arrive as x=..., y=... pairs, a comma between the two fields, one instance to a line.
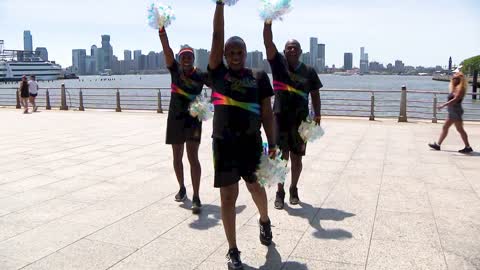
x=417, y=32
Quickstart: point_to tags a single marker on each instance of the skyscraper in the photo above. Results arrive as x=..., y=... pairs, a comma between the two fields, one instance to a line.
x=255, y=59
x=107, y=51
x=93, y=50
x=363, y=61
x=201, y=58
x=151, y=61
x=347, y=61
x=127, y=55
x=137, y=55
x=27, y=41
x=42, y=53
x=313, y=51
x=79, y=61
x=321, y=58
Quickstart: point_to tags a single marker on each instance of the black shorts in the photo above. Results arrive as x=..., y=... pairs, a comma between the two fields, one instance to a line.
x=182, y=128
x=236, y=158
x=24, y=94
x=33, y=95
x=287, y=136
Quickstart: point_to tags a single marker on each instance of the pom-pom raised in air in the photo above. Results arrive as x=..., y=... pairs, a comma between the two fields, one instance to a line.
x=274, y=9
x=160, y=16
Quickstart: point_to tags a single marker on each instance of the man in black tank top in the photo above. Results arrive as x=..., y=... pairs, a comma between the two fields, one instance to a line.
x=293, y=82
x=242, y=105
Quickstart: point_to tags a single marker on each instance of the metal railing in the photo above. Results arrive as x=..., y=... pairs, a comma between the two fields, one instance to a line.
x=372, y=104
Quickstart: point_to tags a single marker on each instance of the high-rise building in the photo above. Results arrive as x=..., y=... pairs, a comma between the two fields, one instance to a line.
x=27, y=41
x=78, y=61
x=363, y=61
x=93, y=50
x=306, y=59
x=160, y=60
x=42, y=53
x=127, y=55
x=152, y=61
x=201, y=58
x=107, y=52
x=255, y=59
x=100, y=60
x=313, y=51
x=321, y=58
x=137, y=55
x=348, y=61
x=399, y=66
x=90, y=65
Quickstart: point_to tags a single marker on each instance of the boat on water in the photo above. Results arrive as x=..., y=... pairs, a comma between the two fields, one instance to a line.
x=15, y=63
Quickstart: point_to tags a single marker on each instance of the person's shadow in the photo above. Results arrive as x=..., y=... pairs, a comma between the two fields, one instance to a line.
x=472, y=154
x=322, y=214
x=210, y=215
x=274, y=262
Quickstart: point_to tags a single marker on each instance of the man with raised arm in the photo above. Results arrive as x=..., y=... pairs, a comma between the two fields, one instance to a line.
x=182, y=128
x=242, y=104
x=293, y=82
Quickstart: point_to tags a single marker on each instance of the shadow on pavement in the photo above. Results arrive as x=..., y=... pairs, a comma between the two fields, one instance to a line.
x=322, y=214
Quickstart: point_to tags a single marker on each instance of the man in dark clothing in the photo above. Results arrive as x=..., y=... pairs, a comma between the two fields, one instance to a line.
x=293, y=82
x=242, y=105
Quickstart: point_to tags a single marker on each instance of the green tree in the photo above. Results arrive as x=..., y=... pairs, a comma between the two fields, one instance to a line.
x=471, y=64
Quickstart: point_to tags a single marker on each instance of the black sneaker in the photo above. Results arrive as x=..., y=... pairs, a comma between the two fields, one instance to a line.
x=279, y=200
x=434, y=146
x=265, y=232
x=466, y=150
x=181, y=195
x=294, y=196
x=196, y=205
x=233, y=257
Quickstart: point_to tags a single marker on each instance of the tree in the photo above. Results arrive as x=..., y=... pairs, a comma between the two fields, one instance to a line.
x=471, y=64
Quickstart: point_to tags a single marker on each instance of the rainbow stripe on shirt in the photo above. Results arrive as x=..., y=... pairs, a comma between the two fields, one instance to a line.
x=180, y=91
x=279, y=86
x=227, y=101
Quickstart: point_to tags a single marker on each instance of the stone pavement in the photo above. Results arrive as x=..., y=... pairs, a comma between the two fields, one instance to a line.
x=94, y=190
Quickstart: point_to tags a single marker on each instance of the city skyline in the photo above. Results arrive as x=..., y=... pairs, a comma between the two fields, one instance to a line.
x=421, y=38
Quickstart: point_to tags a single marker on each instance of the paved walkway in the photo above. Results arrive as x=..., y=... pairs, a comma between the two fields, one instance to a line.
x=94, y=190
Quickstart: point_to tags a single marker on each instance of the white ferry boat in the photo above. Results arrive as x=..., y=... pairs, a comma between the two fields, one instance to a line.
x=14, y=64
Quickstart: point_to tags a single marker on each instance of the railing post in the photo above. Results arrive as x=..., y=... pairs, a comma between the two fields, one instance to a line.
x=159, y=99
x=47, y=101
x=118, y=109
x=64, y=106
x=372, y=107
x=435, y=101
x=81, y=108
x=474, y=84
x=17, y=94
x=403, y=105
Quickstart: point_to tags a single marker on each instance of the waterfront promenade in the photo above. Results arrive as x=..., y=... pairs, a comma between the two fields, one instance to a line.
x=94, y=190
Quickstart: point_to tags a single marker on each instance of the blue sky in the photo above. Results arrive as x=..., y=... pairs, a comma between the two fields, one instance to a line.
x=417, y=32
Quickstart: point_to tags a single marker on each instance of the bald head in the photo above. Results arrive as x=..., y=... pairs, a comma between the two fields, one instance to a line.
x=293, y=42
x=293, y=51
x=234, y=42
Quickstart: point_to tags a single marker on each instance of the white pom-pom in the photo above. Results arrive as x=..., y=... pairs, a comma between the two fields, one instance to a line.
x=310, y=131
x=201, y=108
x=271, y=171
x=274, y=9
x=160, y=16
